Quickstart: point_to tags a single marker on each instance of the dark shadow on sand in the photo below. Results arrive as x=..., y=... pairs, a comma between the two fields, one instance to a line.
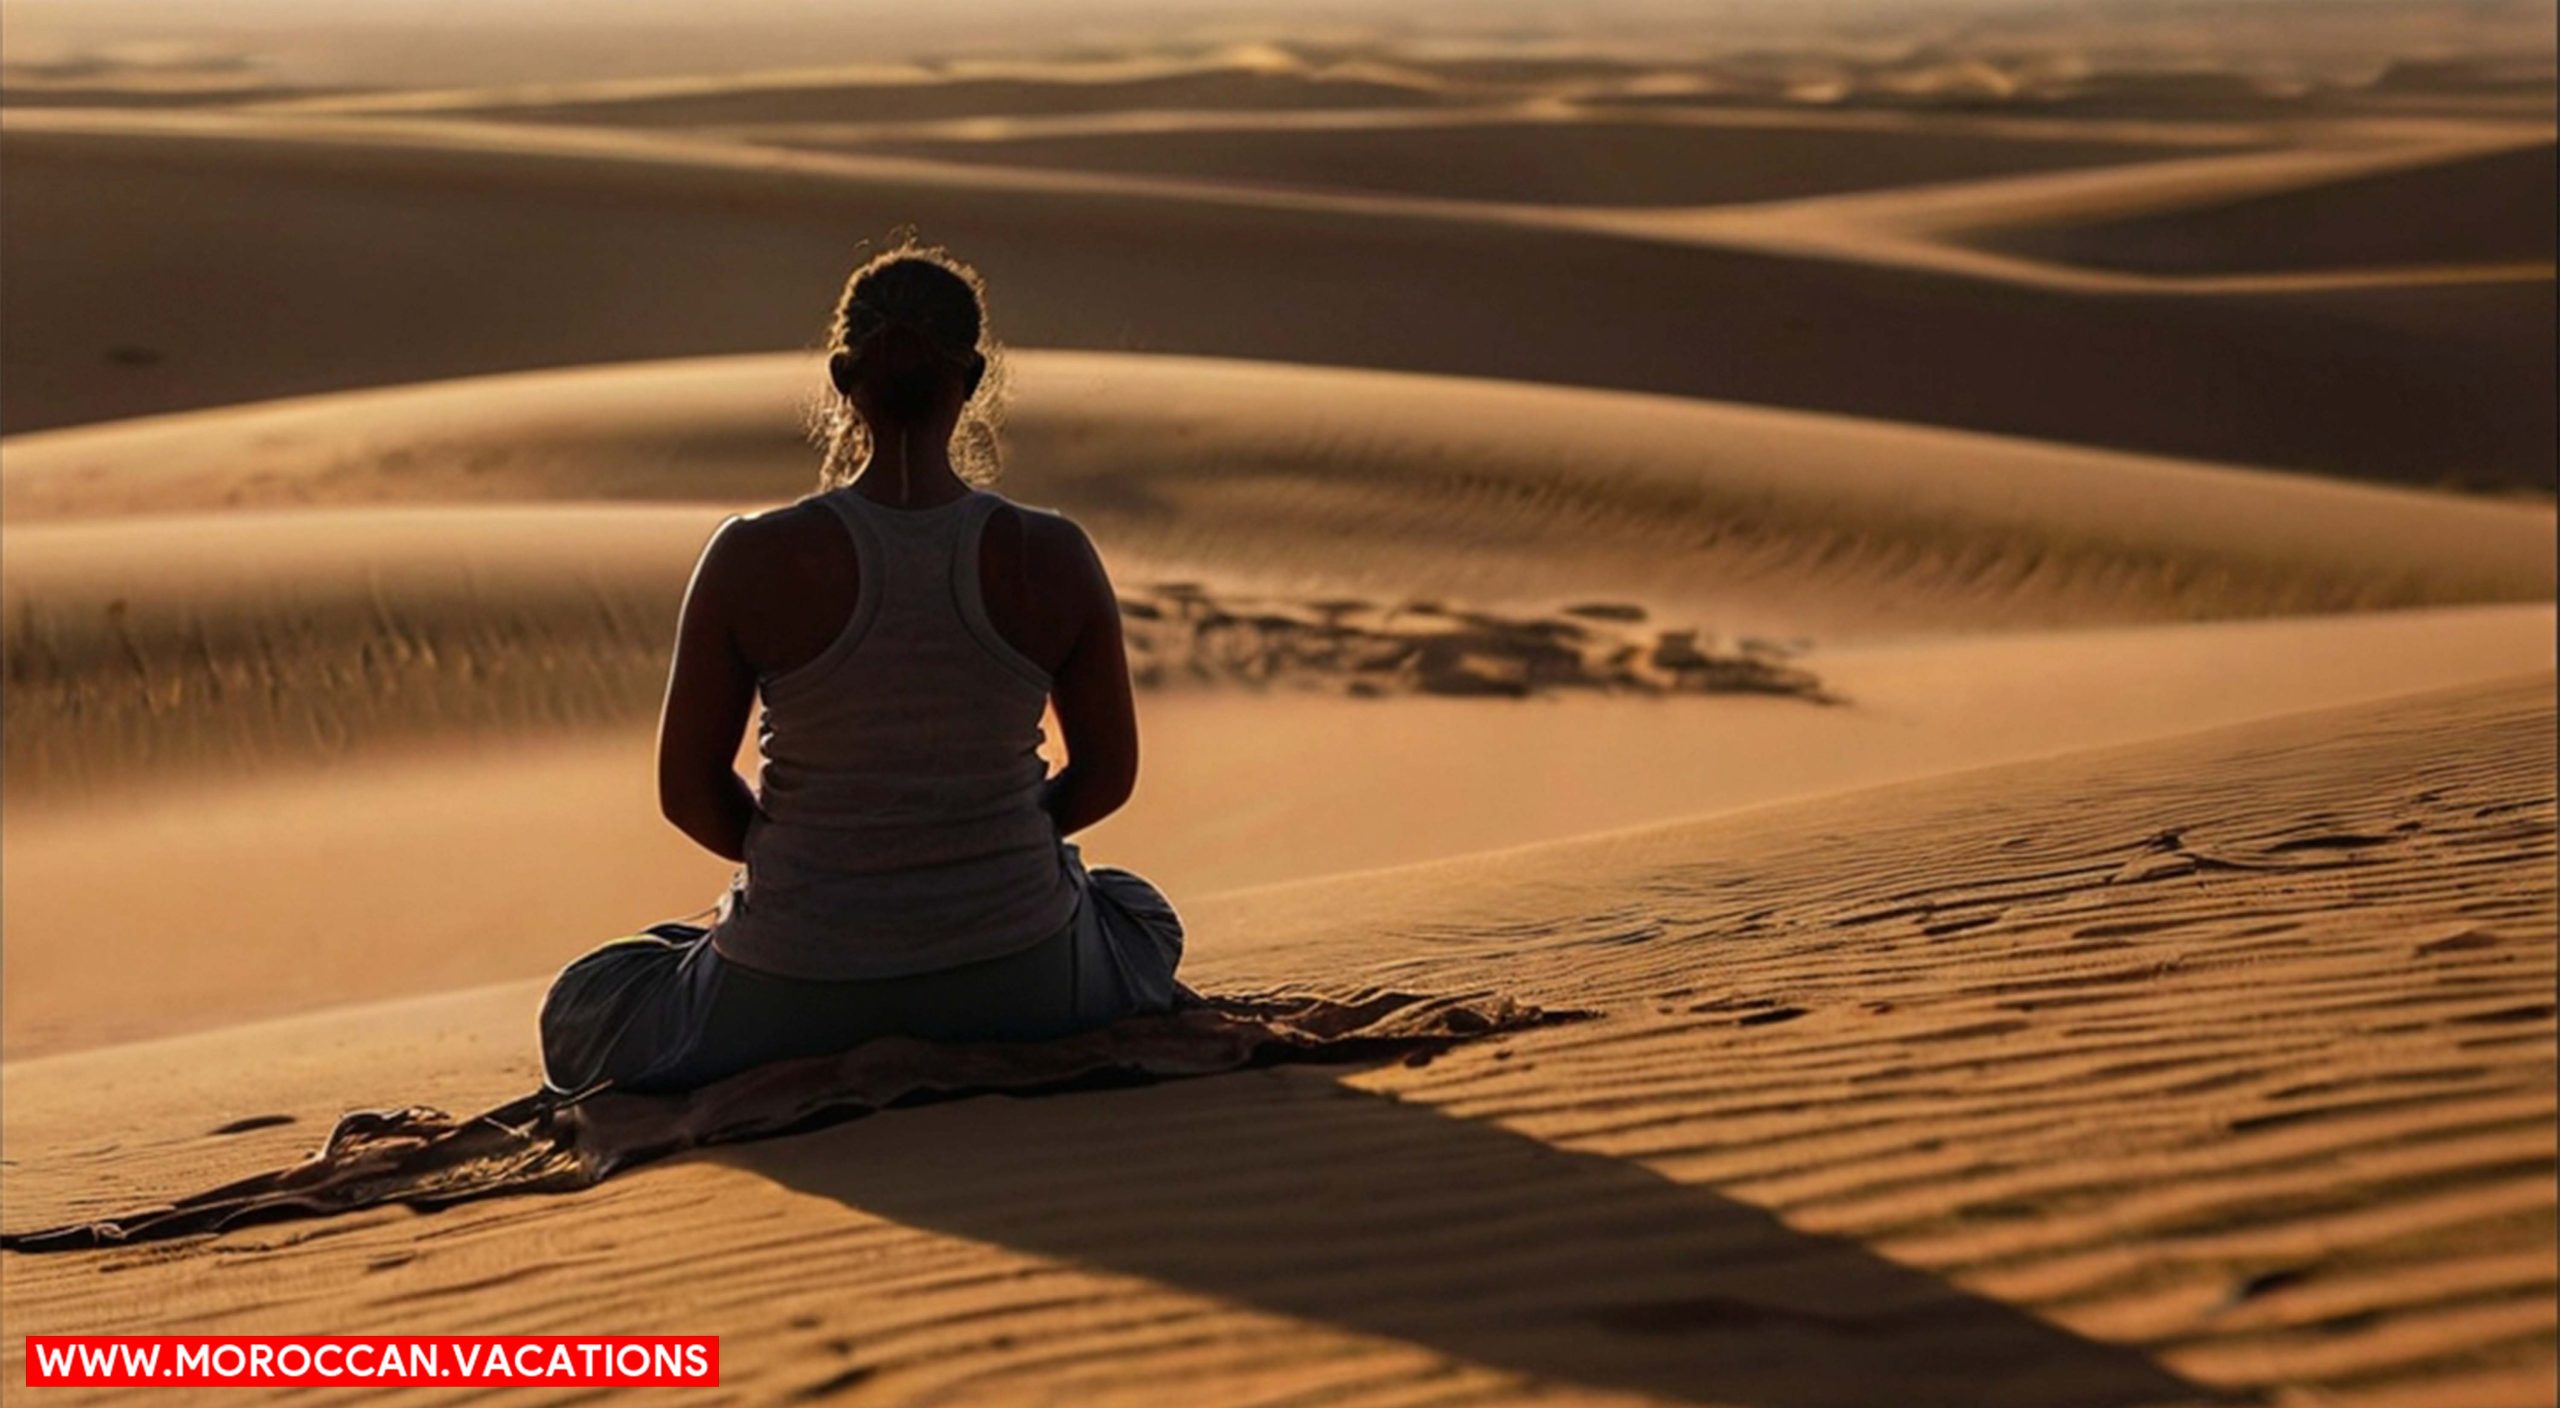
x=1276, y=1186
x=1289, y=1191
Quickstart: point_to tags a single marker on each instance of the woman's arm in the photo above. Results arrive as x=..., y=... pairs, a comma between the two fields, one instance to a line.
x=1090, y=689
x=710, y=689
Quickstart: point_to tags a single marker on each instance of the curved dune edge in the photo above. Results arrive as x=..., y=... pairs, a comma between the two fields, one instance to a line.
x=468, y=136
x=2478, y=209
x=1134, y=438
x=1919, y=227
x=324, y=576
x=2253, y=1030
x=731, y=252
x=363, y=863
x=1135, y=70
x=1954, y=227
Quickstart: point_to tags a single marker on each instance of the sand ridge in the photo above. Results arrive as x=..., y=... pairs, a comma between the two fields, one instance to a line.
x=1994, y=227
x=1313, y=453
x=334, y=574
x=2327, y=1125
x=382, y=831
x=1418, y=283
x=455, y=597
x=1905, y=58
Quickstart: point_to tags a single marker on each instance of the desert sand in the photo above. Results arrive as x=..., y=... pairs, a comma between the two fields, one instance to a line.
x=1983, y=624
x=617, y=244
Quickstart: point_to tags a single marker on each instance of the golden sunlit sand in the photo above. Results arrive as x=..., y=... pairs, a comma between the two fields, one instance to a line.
x=1917, y=588
x=2235, y=1045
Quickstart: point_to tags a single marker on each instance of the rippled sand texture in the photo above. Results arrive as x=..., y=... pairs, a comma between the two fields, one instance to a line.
x=2173, y=1072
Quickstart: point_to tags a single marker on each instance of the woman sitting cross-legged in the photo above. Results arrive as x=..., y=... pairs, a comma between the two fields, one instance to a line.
x=904, y=868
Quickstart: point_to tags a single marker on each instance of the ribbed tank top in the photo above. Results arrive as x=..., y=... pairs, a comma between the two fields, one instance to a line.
x=900, y=827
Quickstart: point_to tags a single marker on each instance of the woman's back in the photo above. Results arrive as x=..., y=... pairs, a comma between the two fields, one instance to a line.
x=906, y=871
x=901, y=824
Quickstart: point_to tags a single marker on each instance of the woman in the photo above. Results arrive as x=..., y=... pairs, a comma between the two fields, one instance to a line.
x=904, y=867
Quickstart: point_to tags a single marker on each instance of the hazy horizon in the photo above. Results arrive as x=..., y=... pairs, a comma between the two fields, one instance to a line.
x=410, y=42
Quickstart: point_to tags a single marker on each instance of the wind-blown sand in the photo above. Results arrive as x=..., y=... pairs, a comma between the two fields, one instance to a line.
x=1841, y=564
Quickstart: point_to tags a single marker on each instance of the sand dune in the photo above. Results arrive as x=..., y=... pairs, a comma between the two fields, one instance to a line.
x=371, y=252
x=2226, y=223
x=1901, y=55
x=1792, y=522
x=351, y=855
x=2299, y=973
x=1586, y=162
x=1257, y=83
x=179, y=650
x=441, y=614
x=2494, y=209
x=464, y=559
x=1849, y=131
x=1774, y=540
x=368, y=621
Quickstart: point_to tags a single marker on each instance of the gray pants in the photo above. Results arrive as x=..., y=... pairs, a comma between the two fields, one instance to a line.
x=662, y=1010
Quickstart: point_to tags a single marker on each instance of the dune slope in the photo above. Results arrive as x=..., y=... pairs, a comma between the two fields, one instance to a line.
x=357, y=253
x=1401, y=479
x=1590, y=161
x=2154, y=1074
x=361, y=863
x=2487, y=209
x=292, y=657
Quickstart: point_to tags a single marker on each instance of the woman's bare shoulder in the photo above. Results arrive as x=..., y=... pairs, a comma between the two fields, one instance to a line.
x=747, y=546
x=794, y=549
x=1056, y=547
x=787, y=522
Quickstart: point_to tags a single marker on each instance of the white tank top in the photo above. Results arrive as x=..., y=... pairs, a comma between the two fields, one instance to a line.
x=901, y=829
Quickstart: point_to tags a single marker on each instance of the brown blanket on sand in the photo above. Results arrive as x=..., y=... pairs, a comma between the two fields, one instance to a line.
x=540, y=1143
